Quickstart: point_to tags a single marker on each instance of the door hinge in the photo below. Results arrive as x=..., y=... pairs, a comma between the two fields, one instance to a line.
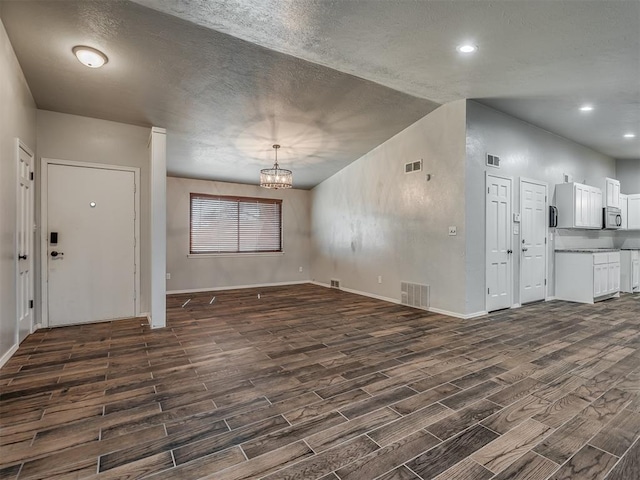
x=134, y=188
x=545, y=240
x=487, y=291
x=545, y=281
x=488, y=190
x=30, y=303
x=30, y=175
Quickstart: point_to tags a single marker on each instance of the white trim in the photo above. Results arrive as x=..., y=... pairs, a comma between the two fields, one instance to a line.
x=36, y=327
x=546, y=226
x=157, y=150
x=548, y=299
x=398, y=302
x=44, y=241
x=235, y=287
x=7, y=356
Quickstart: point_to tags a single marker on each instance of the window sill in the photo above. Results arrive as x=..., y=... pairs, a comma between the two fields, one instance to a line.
x=248, y=254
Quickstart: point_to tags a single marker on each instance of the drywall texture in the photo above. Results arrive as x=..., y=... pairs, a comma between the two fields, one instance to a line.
x=82, y=139
x=524, y=151
x=208, y=272
x=17, y=120
x=628, y=172
x=371, y=219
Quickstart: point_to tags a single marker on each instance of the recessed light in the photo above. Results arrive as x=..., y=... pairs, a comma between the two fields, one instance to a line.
x=586, y=108
x=629, y=135
x=90, y=57
x=467, y=48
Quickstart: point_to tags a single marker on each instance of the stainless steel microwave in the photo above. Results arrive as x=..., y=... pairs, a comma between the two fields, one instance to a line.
x=611, y=218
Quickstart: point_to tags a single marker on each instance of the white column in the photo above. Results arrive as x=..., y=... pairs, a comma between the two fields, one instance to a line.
x=158, y=189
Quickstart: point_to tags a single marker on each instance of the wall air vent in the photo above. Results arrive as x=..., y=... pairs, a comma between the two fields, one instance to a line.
x=415, y=295
x=493, y=161
x=335, y=283
x=413, y=166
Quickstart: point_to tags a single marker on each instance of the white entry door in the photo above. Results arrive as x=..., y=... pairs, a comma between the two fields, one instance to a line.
x=24, y=243
x=533, y=206
x=498, y=242
x=90, y=244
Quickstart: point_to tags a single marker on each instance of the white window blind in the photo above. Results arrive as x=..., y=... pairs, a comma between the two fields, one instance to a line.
x=222, y=224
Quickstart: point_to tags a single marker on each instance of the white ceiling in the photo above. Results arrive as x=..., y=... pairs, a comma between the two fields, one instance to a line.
x=330, y=80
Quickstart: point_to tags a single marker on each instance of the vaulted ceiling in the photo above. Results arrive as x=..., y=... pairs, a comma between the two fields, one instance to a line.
x=329, y=80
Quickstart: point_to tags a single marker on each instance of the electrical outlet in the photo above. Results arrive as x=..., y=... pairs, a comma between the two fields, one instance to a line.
x=168, y=276
x=453, y=231
x=379, y=278
x=300, y=269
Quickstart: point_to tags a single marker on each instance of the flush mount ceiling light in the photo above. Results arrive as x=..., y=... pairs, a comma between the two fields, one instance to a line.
x=629, y=135
x=276, y=177
x=467, y=48
x=586, y=108
x=90, y=57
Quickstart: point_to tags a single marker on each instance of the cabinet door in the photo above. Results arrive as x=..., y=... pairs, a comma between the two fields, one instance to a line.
x=600, y=274
x=581, y=195
x=635, y=274
x=613, y=277
x=595, y=210
x=623, y=211
x=612, y=193
x=633, y=212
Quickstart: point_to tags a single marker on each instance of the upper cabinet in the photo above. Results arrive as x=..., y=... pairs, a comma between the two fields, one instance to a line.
x=579, y=206
x=633, y=212
x=623, y=212
x=611, y=193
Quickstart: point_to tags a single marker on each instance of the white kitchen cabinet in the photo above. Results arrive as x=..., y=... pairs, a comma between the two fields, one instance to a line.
x=611, y=193
x=623, y=211
x=633, y=212
x=579, y=206
x=587, y=276
x=630, y=271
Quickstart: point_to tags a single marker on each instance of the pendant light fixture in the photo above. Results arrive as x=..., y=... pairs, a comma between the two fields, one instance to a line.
x=276, y=177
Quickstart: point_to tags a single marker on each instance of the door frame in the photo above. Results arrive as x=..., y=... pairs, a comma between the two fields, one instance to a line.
x=21, y=145
x=44, y=230
x=547, y=244
x=488, y=174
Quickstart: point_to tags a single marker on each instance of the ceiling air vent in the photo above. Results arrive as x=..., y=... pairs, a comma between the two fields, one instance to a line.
x=413, y=166
x=493, y=161
x=335, y=283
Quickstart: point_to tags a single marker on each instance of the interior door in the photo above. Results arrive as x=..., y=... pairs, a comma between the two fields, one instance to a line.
x=24, y=243
x=498, y=243
x=90, y=244
x=533, y=199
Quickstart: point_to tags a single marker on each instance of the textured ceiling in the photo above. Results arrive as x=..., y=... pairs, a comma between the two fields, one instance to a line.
x=329, y=80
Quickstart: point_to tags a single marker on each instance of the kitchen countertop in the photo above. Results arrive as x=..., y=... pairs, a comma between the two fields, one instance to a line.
x=587, y=250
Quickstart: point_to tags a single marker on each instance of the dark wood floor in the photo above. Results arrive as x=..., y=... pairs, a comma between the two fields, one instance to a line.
x=308, y=382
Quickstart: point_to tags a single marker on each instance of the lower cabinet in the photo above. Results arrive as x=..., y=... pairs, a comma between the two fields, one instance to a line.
x=587, y=277
x=630, y=271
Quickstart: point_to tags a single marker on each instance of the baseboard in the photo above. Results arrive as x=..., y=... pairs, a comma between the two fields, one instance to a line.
x=36, y=327
x=516, y=305
x=235, y=287
x=5, y=358
x=393, y=300
x=548, y=299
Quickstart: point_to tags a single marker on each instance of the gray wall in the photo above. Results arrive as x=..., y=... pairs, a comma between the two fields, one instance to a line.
x=83, y=139
x=372, y=219
x=525, y=151
x=218, y=271
x=628, y=172
x=17, y=120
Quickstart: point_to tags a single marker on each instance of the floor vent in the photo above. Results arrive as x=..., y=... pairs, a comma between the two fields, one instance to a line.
x=413, y=166
x=415, y=295
x=335, y=283
x=493, y=160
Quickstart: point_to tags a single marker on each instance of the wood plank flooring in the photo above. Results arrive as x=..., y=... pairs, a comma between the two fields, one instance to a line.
x=313, y=383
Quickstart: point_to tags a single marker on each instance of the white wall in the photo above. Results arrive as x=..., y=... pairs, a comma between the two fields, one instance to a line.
x=211, y=272
x=628, y=172
x=525, y=151
x=83, y=139
x=17, y=120
x=372, y=219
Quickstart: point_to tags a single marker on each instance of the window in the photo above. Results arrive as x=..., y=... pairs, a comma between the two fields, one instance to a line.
x=222, y=224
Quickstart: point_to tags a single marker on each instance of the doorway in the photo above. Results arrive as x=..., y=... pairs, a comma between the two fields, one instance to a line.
x=533, y=245
x=499, y=251
x=24, y=241
x=90, y=244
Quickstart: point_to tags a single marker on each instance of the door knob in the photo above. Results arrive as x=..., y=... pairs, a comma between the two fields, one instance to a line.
x=22, y=257
x=509, y=251
x=55, y=254
x=524, y=249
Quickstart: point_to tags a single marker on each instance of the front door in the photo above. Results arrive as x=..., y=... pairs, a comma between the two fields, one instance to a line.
x=24, y=243
x=90, y=244
x=498, y=243
x=533, y=197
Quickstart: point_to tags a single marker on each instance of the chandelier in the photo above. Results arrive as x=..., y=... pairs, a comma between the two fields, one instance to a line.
x=276, y=177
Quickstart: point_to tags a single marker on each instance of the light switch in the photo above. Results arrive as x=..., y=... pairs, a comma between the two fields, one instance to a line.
x=516, y=217
x=516, y=229
x=452, y=231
